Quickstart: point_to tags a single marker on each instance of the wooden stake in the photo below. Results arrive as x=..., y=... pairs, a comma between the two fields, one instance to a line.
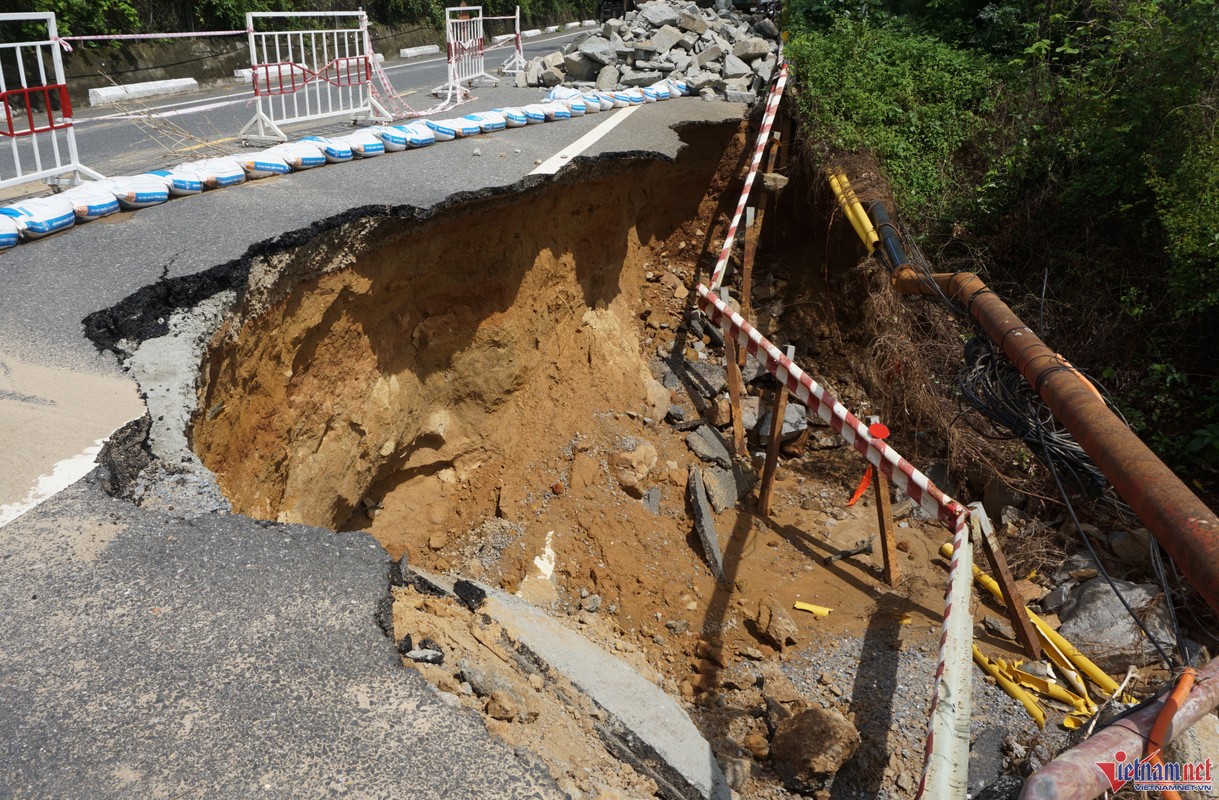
x=884, y=519
x=1016, y=612
x=772, y=447
x=736, y=388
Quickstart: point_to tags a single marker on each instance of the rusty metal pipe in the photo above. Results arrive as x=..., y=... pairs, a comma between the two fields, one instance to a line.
x=1074, y=775
x=1182, y=523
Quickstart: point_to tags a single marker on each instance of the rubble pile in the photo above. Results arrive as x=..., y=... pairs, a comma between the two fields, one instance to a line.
x=719, y=54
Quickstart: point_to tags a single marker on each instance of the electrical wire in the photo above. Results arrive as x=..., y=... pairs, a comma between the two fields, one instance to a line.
x=1100, y=567
x=1157, y=565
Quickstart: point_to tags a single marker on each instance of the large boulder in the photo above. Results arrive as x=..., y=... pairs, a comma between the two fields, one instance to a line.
x=607, y=78
x=1094, y=620
x=810, y=747
x=658, y=14
x=750, y=49
x=599, y=49
x=632, y=464
x=665, y=39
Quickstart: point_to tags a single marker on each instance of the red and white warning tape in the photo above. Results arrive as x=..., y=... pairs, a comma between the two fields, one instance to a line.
x=63, y=41
x=900, y=471
x=768, y=121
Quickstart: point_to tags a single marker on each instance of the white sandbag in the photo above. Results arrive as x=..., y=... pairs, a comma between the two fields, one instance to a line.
x=300, y=155
x=635, y=97
x=41, y=216
x=336, y=152
x=136, y=191
x=679, y=86
x=488, y=121
x=607, y=100
x=569, y=97
x=215, y=173
x=649, y=94
x=459, y=126
x=417, y=134
x=592, y=103
x=264, y=164
x=621, y=99
x=392, y=139
x=662, y=90
x=179, y=183
x=364, y=144
x=561, y=93
x=514, y=117
x=442, y=130
x=90, y=201
x=555, y=111
x=10, y=231
x=534, y=113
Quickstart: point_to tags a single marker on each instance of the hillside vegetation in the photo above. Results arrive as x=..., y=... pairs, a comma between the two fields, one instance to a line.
x=159, y=16
x=1045, y=142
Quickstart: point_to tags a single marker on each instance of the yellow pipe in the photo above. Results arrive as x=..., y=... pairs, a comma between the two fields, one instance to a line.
x=1056, y=655
x=870, y=238
x=1042, y=686
x=1101, y=678
x=1030, y=705
x=840, y=193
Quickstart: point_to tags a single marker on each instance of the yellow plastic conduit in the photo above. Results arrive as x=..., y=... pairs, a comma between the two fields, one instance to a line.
x=1052, y=650
x=836, y=183
x=870, y=238
x=1030, y=705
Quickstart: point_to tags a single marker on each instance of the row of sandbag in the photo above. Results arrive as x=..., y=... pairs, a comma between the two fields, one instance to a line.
x=42, y=216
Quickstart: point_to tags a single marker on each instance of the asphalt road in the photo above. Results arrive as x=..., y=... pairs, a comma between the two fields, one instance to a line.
x=178, y=651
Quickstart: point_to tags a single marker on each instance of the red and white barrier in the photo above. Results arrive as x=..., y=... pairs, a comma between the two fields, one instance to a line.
x=950, y=690
x=317, y=73
x=463, y=33
x=768, y=121
x=37, y=139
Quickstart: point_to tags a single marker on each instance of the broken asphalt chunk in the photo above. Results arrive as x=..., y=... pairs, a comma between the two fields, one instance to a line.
x=704, y=523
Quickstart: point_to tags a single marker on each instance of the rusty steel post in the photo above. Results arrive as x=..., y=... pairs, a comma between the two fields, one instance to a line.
x=1182, y=523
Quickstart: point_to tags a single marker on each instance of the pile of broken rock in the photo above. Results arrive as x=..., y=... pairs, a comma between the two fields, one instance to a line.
x=718, y=54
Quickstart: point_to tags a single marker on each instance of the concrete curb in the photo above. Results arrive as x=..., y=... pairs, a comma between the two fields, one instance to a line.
x=507, y=37
x=643, y=723
x=105, y=95
x=588, y=23
x=243, y=75
x=571, y=25
x=532, y=32
x=421, y=50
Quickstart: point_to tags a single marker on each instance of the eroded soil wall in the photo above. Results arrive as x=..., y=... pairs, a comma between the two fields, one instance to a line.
x=396, y=375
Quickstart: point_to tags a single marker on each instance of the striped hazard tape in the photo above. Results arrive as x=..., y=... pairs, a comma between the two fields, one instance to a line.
x=768, y=121
x=901, y=472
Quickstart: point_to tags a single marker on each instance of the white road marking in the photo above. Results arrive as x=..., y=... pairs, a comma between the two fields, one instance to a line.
x=63, y=475
x=553, y=164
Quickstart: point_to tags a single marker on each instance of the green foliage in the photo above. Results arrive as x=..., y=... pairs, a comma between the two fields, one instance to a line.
x=909, y=98
x=1188, y=204
x=92, y=16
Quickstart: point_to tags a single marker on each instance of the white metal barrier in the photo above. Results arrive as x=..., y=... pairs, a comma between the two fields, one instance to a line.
x=515, y=62
x=463, y=30
x=37, y=113
x=311, y=73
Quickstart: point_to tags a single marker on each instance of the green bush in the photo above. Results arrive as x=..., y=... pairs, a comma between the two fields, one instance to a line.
x=910, y=99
